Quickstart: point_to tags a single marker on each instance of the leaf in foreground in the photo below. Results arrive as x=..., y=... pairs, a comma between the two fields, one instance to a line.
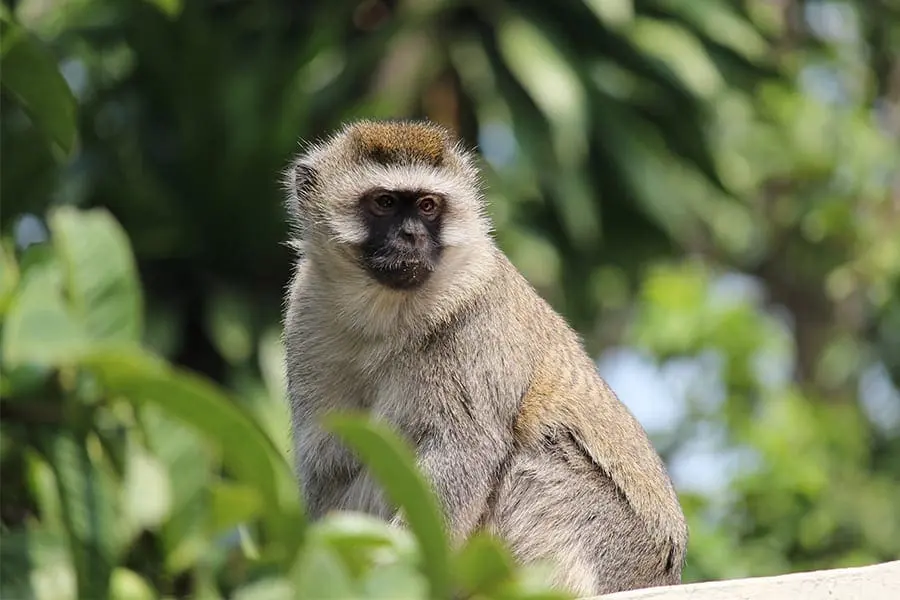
x=394, y=465
x=247, y=452
x=101, y=275
x=319, y=573
x=40, y=329
x=396, y=581
x=482, y=564
x=232, y=504
x=363, y=540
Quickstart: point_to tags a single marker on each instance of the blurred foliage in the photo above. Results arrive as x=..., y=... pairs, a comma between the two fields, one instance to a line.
x=135, y=478
x=711, y=185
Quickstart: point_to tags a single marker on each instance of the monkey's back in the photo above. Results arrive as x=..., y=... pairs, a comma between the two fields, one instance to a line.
x=583, y=471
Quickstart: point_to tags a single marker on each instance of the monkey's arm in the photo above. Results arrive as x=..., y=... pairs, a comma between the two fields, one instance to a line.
x=324, y=467
x=461, y=451
x=463, y=471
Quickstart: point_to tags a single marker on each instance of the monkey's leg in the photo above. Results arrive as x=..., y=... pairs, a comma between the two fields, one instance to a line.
x=553, y=506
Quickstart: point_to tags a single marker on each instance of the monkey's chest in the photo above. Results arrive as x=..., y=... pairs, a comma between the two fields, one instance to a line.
x=390, y=397
x=344, y=482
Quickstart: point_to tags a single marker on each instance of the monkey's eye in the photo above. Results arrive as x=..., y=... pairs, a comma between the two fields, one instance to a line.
x=428, y=206
x=383, y=204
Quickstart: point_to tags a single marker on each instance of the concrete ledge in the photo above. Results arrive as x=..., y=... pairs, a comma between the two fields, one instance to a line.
x=875, y=582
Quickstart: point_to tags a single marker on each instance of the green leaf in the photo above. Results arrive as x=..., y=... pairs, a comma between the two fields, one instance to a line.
x=170, y=8
x=531, y=583
x=681, y=51
x=482, y=564
x=90, y=513
x=614, y=13
x=38, y=255
x=39, y=327
x=189, y=463
x=101, y=275
x=319, y=573
x=362, y=540
x=30, y=74
x=720, y=23
x=270, y=588
x=233, y=504
x=36, y=564
x=9, y=277
x=394, y=465
x=45, y=490
x=22, y=380
x=551, y=82
x=16, y=565
x=396, y=581
x=148, y=497
x=255, y=460
x=128, y=585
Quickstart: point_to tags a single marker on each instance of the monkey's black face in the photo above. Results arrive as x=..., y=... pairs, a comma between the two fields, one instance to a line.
x=403, y=246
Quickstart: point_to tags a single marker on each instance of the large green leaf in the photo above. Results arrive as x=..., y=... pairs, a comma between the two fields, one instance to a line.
x=362, y=540
x=271, y=588
x=233, y=504
x=395, y=581
x=125, y=584
x=40, y=329
x=394, y=465
x=29, y=73
x=319, y=573
x=531, y=583
x=482, y=564
x=93, y=262
x=246, y=450
x=100, y=273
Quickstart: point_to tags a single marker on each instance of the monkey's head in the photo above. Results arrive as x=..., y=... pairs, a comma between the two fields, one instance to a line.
x=393, y=200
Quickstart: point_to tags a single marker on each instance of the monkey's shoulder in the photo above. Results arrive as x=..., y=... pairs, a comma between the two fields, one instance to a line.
x=570, y=409
x=566, y=401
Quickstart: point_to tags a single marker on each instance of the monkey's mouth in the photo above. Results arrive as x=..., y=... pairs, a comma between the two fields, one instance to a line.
x=399, y=272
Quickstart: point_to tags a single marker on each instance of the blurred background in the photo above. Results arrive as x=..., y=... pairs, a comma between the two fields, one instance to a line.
x=709, y=190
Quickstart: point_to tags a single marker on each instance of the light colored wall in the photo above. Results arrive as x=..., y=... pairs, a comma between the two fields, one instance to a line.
x=875, y=582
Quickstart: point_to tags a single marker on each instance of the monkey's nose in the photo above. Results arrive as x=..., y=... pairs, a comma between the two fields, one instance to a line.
x=411, y=240
x=410, y=234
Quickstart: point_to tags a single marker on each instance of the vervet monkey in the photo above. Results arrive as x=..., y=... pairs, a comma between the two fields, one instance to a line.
x=403, y=306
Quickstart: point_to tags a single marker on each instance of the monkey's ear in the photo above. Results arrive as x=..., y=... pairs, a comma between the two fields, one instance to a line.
x=300, y=181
